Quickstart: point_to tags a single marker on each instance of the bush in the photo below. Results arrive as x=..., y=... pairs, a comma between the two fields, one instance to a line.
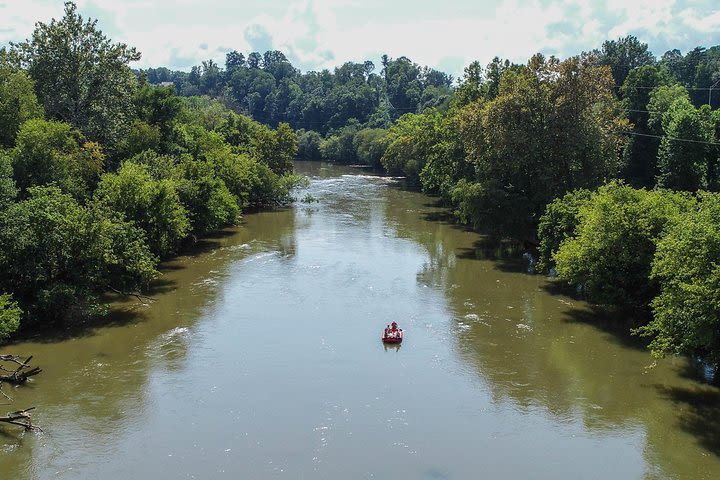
x=612, y=250
x=687, y=311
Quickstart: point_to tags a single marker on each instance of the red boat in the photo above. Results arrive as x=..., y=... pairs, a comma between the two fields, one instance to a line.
x=392, y=336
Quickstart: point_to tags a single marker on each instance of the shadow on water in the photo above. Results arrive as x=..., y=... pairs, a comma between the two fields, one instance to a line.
x=58, y=333
x=506, y=253
x=698, y=410
x=206, y=243
x=615, y=324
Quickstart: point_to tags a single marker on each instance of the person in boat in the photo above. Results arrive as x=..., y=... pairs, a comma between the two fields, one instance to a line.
x=394, y=328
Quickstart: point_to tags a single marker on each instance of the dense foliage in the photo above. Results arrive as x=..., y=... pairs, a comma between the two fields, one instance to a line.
x=687, y=311
x=101, y=175
x=613, y=245
x=268, y=88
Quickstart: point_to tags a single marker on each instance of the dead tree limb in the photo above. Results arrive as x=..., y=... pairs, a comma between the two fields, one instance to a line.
x=137, y=295
x=21, y=418
x=21, y=373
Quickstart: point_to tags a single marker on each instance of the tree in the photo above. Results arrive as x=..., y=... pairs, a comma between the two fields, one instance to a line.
x=8, y=191
x=659, y=102
x=80, y=76
x=683, y=157
x=339, y=147
x=277, y=149
x=370, y=145
x=623, y=55
x=558, y=223
x=687, y=311
x=161, y=109
x=611, y=252
x=154, y=205
x=409, y=142
x=10, y=315
x=233, y=61
x=18, y=103
x=254, y=60
x=209, y=203
x=553, y=127
x=308, y=144
x=53, y=152
x=641, y=155
x=58, y=256
x=251, y=181
x=472, y=87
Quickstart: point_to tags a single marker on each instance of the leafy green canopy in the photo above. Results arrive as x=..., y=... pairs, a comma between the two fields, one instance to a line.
x=10, y=315
x=18, y=103
x=57, y=256
x=80, y=76
x=612, y=249
x=687, y=311
x=153, y=205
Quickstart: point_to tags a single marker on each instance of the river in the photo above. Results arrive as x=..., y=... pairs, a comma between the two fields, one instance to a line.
x=260, y=358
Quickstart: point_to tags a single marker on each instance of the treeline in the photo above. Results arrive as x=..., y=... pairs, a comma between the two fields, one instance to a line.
x=613, y=154
x=101, y=176
x=268, y=88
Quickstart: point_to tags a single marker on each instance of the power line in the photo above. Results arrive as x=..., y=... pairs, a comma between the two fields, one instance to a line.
x=653, y=88
x=671, y=138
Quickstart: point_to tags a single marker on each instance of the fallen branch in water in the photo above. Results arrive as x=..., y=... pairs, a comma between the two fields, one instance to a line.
x=4, y=395
x=21, y=373
x=21, y=418
x=137, y=295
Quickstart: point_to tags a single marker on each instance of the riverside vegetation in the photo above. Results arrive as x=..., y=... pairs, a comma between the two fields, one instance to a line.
x=608, y=160
x=102, y=175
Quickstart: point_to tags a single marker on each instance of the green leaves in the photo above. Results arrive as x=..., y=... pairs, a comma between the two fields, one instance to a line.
x=612, y=248
x=10, y=315
x=53, y=152
x=58, y=256
x=683, y=157
x=18, y=103
x=154, y=205
x=80, y=76
x=686, y=265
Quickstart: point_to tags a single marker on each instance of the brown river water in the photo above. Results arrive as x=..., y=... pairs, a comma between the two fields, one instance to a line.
x=261, y=358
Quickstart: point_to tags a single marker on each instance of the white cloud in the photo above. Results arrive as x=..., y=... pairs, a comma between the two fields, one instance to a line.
x=695, y=20
x=323, y=33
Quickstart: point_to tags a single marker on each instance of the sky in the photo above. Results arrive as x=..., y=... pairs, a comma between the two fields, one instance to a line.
x=316, y=34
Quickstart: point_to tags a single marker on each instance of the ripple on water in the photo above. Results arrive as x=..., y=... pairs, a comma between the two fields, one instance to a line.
x=170, y=343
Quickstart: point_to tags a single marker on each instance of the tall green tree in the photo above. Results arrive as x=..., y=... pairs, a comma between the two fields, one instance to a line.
x=54, y=152
x=611, y=252
x=641, y=154
x=623, y=55
x=409, y=143
x=10, y=315
x=209, y=203
x=684, y=154
x=58, y=256
x=154, y=205
x=80, y=76
x=18, y=103
x=687, y=311
x=370, y=145
x=8, y=190
x=554, y=127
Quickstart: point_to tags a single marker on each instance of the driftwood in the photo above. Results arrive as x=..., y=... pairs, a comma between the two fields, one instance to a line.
x=21, y=373
x=21, y=418
x=137, y=295
x=18, y=376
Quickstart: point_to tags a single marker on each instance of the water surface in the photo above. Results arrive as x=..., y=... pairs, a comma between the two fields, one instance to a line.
x=261, y=358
